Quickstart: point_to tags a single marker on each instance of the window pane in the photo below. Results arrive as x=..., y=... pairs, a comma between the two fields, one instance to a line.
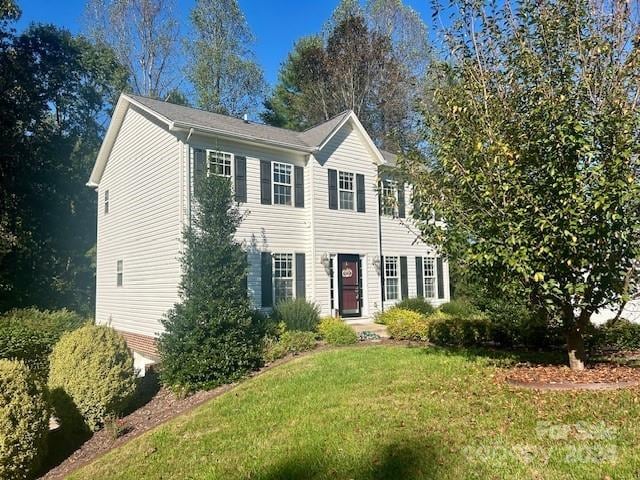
x=429, y=277
x=346, y=200
x=219, y=163
x=392, y=288
x=281, y=194
x=282, y=183
x=389, y=198
x=345, y=189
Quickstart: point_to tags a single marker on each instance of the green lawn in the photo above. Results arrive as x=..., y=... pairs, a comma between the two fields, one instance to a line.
x=388, y=412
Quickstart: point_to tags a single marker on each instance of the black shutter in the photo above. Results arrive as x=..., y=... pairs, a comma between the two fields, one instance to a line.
x=300, y=272
x=360, y=192
x=267, y=280
x=419, y=278
x=401, y=206
x=240, y=178
x=199, y=168
x=265, y=182
x=333, y=189
x=440, y=277
x=382, y=282
x=404, y=284
x=298, y=177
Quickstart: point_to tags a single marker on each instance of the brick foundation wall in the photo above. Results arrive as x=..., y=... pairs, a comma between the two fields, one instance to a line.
x=142, y=344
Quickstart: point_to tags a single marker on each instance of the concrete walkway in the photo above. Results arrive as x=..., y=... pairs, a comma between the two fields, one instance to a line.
x=371, y=327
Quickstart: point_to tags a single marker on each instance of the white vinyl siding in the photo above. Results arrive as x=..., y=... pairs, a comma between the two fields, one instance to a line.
x=392, y=278
x=143, y=174
x=342, y=231
x=263, y=227
x=106, y=202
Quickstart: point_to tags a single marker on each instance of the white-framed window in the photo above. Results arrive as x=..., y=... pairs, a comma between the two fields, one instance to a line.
x=389, y=197
x=219, y=163
x=391, y=278
x=106, y=201
x=282, y=276
x=282, y=182
x=119, y=273
x=346, y=191
x=429, y=277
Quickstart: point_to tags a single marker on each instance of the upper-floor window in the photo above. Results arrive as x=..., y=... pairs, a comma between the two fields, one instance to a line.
x=282, y=276
x=346, y=190
x=219, y=163
x=119, y=273
x=106, y=201
x=389, y=198
x=429, y=270
x=391, y=280
x=282, y=183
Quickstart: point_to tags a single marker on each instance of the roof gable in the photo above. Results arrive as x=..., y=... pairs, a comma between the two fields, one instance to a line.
x=179, y=118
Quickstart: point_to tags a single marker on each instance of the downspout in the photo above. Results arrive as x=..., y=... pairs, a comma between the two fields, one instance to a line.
x=380, y=247
x=310, y=162
x=188, y=179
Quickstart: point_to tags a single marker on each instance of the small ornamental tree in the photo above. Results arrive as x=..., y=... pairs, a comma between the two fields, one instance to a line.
x=212, y=336
x=531, y=128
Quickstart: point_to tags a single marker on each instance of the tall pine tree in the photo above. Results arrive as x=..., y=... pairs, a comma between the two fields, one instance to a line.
x=212, y=336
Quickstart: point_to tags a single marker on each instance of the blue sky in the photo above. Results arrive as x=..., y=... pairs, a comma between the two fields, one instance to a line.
x=277, y=24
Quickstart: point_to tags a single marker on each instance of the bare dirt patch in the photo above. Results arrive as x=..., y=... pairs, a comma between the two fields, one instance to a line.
x=601, y=376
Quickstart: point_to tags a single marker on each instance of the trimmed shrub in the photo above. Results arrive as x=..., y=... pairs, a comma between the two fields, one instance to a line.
x=418, y=305
x=459, y=308
x=335, y=332
x=297, y=314
x=290, y=342
x=91, y=377
x=615, y=336
x=447, y=329
x=406, y=325
x=29, y=335
x=24, y=421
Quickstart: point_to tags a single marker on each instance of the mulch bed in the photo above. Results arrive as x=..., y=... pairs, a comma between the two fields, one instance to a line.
x=600, y=376
x=163, y=406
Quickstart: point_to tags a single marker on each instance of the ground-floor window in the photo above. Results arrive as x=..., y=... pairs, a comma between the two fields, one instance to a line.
x=282, y=276
x=391, y=280
x=429, y=269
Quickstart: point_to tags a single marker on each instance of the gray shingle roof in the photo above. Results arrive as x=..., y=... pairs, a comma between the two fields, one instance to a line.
x=193, y=117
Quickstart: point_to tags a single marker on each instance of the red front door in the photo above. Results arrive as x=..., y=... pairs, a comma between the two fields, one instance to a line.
x=349, y=285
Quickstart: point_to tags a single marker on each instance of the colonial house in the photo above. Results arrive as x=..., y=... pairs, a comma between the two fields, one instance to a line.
x=313, y=223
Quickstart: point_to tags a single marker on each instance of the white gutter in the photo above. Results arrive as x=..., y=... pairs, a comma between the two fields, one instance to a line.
x=186, y=127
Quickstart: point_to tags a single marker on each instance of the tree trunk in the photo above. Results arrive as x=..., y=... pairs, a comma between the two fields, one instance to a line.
x=575, y=348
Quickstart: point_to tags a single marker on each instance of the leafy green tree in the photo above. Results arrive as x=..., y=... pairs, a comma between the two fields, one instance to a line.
x=532, y=132
x=222, y=67
x=212, y=336
x=56, y=91
x=370, y=60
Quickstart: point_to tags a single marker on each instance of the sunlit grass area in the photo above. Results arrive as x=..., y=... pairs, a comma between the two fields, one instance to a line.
x=388, y=412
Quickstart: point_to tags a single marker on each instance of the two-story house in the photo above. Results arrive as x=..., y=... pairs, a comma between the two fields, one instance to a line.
x=313, y=225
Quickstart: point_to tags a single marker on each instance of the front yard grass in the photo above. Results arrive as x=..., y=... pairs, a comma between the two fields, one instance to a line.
x=385, y=412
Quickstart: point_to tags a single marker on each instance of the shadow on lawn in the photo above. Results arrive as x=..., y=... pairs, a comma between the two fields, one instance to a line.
x=402, y=459
x=503, y=357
